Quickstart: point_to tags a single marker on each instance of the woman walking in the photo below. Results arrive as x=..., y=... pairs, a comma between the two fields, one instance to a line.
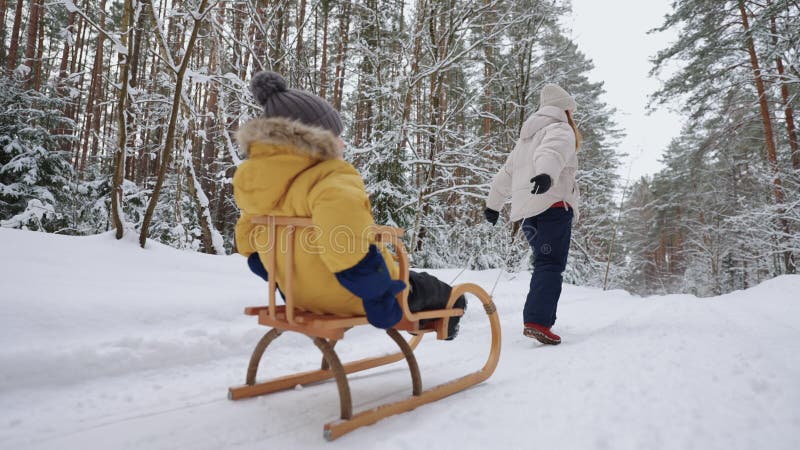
x=539, y=176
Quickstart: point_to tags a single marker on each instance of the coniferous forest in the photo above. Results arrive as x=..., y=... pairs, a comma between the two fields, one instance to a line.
x=122, y=114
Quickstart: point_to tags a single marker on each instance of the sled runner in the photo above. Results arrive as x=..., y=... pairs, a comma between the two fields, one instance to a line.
x=326, y=330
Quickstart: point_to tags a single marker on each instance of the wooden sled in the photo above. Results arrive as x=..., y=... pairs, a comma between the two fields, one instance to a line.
x=326, y=330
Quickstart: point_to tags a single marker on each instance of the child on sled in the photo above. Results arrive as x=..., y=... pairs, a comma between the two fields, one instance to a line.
x=295, y=167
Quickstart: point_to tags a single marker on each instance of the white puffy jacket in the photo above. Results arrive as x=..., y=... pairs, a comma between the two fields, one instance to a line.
x=546, y=146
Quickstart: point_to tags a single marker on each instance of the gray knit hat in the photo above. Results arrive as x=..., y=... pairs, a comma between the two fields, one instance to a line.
x=553, y=95
x=270, y=91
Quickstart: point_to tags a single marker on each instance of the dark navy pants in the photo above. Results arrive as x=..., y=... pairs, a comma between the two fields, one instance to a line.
x=548, y=235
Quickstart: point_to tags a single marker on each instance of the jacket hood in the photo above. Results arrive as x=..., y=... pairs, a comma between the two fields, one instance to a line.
x=278, y=151
x=545, y=116
x=315, y=142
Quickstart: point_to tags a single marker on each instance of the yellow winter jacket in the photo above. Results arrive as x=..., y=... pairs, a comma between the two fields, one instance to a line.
x=295, y=170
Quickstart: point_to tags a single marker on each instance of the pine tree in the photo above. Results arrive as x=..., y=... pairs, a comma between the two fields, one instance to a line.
x=36, y=179
x=722, y=46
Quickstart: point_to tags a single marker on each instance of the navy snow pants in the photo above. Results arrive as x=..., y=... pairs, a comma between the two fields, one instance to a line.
x=548, y=235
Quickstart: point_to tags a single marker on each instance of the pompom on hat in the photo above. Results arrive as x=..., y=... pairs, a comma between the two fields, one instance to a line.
x=554, y=95
x=270, y=91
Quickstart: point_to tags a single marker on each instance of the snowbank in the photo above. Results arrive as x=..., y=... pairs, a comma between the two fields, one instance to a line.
x=104, y=345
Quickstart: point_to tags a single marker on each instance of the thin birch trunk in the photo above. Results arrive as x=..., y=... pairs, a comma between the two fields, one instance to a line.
x=120, y=152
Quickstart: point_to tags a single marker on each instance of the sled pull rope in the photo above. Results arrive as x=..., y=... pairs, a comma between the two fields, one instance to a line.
x=497, y=280
x=469, y=264
x=453, y=281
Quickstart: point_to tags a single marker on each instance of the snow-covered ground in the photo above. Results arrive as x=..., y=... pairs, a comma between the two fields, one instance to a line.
x=106, y=346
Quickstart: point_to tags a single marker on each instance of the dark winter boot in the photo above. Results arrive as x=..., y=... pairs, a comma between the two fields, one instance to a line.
x=541, y=333
x=428, y=293
x=452, y=325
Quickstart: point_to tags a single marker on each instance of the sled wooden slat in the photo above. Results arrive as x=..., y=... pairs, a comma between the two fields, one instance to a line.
x=314, y=376
x=329, y=321
x=327, y=329
x=330, y=326
x=338, y=428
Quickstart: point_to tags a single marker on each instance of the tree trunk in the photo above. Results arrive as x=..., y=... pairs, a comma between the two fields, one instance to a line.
x=323, y=65
x=413, y=81
x=62, y=75
x=212, y=240
x=147, y=166
x=92, y=122
x=278, y=50
x=768, y=135
x=15, y=31
x=166, y=153
x=436, y=36
x=37, y=66
x=139, y=15
x=788, y=111
x=488, y=72
x=341, y=54
x=30, y=40
x=789, y=114
x=299, y=25
x=76, y=60
x=62, y=68
x=2, y=31
x=211, y=125
x=121, y=151
x=367, y=74
x=78, y=51
x=261, y=39
x=610, y=255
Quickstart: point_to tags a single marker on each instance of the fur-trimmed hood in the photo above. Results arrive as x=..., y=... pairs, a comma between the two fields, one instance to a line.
x=318, y=143
x=286, y=164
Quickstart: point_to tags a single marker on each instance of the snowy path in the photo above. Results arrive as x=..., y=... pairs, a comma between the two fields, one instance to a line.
x=104, y=346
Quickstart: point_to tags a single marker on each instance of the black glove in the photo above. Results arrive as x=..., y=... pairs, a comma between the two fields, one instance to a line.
x=541, y=183
x=491, y=215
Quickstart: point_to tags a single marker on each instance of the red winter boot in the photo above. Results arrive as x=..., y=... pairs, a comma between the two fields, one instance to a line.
x=541, y=333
